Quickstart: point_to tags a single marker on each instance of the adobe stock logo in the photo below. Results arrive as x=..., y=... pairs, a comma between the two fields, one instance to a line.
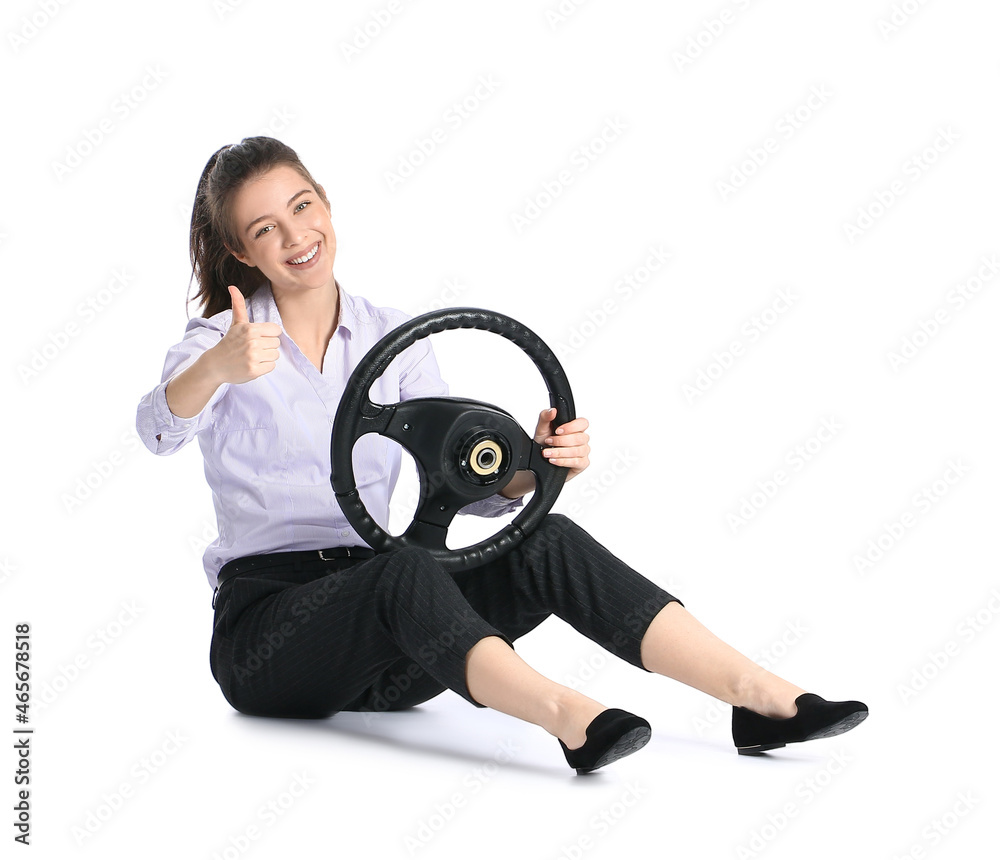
x=899, y=16
x=45, y=11
x=752, y=331
x=967, y=631
x=956, y=299
x=580, y=161
x=624, y=288
x=94, y=135
x=913, y=169
x=922, y=503
x=711, y=31
x=375, y=25
x=454, y=117
x=785, y=127
x=766, y=488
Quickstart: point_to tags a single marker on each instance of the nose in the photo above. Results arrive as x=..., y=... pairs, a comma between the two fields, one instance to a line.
x=294, y=236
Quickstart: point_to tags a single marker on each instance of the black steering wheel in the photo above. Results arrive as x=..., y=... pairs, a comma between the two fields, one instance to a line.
x=465, y=450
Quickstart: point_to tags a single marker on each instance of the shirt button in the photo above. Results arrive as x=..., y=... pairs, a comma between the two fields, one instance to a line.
x=346, y=532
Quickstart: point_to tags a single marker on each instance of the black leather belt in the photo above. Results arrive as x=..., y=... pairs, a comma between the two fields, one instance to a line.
x=276, y=559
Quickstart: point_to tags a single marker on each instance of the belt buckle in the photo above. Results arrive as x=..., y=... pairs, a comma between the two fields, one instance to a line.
x=324, y=558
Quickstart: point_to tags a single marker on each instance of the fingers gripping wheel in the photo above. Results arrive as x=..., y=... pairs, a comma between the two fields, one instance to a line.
x=465, y=450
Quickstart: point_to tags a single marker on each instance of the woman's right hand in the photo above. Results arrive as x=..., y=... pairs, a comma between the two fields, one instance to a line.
x=248, y=349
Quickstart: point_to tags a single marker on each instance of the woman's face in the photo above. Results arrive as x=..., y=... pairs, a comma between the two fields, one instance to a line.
x=281, y=219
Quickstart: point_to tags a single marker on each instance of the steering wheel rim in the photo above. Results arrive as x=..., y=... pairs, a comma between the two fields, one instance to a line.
x=452, y=479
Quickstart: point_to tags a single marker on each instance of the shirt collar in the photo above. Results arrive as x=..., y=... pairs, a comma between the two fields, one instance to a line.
x=263, y=308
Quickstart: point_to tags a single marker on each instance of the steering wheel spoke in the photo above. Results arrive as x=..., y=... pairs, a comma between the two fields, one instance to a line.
x=532, y=457
x=429, y=528
x=426, y=535
x=375, y=417
x=418, y=426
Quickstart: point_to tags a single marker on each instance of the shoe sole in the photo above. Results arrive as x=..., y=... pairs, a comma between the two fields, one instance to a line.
x=838, y=728
x=630, y=742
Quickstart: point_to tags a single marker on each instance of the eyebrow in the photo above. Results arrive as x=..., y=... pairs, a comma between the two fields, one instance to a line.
x=291, y=200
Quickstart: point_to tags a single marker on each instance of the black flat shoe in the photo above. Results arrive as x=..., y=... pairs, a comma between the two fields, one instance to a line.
x=754, y=733
x=611, y=735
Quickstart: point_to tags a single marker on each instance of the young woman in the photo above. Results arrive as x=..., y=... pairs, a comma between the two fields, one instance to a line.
x=309, y=621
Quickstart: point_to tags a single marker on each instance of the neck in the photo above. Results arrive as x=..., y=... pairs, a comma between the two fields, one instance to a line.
x=310, y=316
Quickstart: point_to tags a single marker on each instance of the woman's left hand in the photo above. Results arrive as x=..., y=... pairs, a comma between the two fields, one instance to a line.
x=567, y=445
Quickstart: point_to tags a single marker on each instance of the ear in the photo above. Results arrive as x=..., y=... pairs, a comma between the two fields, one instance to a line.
x=326, y=200
x=241, y=257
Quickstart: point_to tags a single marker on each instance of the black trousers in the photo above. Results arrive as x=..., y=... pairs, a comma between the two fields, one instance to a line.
x=312, y=638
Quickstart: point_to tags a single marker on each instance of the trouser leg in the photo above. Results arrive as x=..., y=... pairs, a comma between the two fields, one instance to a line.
x=294, y=644
x=560, y=569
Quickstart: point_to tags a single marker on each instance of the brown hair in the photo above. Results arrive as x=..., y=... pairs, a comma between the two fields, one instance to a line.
x=212, y=229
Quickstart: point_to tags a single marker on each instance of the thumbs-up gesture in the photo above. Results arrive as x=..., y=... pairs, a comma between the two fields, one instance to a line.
x=248, y=349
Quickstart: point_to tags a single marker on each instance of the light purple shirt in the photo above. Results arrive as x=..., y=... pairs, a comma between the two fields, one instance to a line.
x=266, y=442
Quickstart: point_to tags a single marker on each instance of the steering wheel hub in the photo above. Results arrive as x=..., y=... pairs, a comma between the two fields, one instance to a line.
x=484, y=458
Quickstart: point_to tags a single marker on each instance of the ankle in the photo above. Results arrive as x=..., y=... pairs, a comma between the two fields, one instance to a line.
x=746, y=691
x=574, y=713
x=766, y=694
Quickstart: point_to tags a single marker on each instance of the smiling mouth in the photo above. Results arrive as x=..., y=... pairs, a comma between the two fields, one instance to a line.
x=305, y=258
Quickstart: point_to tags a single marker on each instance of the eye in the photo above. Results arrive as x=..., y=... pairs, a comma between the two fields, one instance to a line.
x=270, y=227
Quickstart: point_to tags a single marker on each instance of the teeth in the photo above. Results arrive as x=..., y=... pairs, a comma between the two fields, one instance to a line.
x=306, y=258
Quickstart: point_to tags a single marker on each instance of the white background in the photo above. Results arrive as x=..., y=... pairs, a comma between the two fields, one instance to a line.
x=98, y=532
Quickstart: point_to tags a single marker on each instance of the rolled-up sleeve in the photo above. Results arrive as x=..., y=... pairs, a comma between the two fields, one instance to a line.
x=493, y=506
x=419, y=376
x=161, y=431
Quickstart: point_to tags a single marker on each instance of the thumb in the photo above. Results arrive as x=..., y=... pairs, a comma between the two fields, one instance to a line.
x=239, y=306
x=544, y=426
